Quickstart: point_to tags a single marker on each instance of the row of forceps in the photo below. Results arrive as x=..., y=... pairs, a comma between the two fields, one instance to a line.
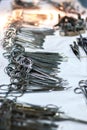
x=28, y=37
x=32, y=71
x=29, y=72
x=19, y=115
x=81, y=42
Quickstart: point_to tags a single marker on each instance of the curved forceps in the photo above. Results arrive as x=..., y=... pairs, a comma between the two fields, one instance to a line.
x=82, y=89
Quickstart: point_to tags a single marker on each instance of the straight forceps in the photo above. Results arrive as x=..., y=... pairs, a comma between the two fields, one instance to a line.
x=20, y=116
x=24, y=35
x=49, y=112
x=34, y=71
x=23, y=113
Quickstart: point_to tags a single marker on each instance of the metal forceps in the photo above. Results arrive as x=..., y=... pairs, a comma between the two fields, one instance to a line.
x=82, y=89
x=10, y=90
